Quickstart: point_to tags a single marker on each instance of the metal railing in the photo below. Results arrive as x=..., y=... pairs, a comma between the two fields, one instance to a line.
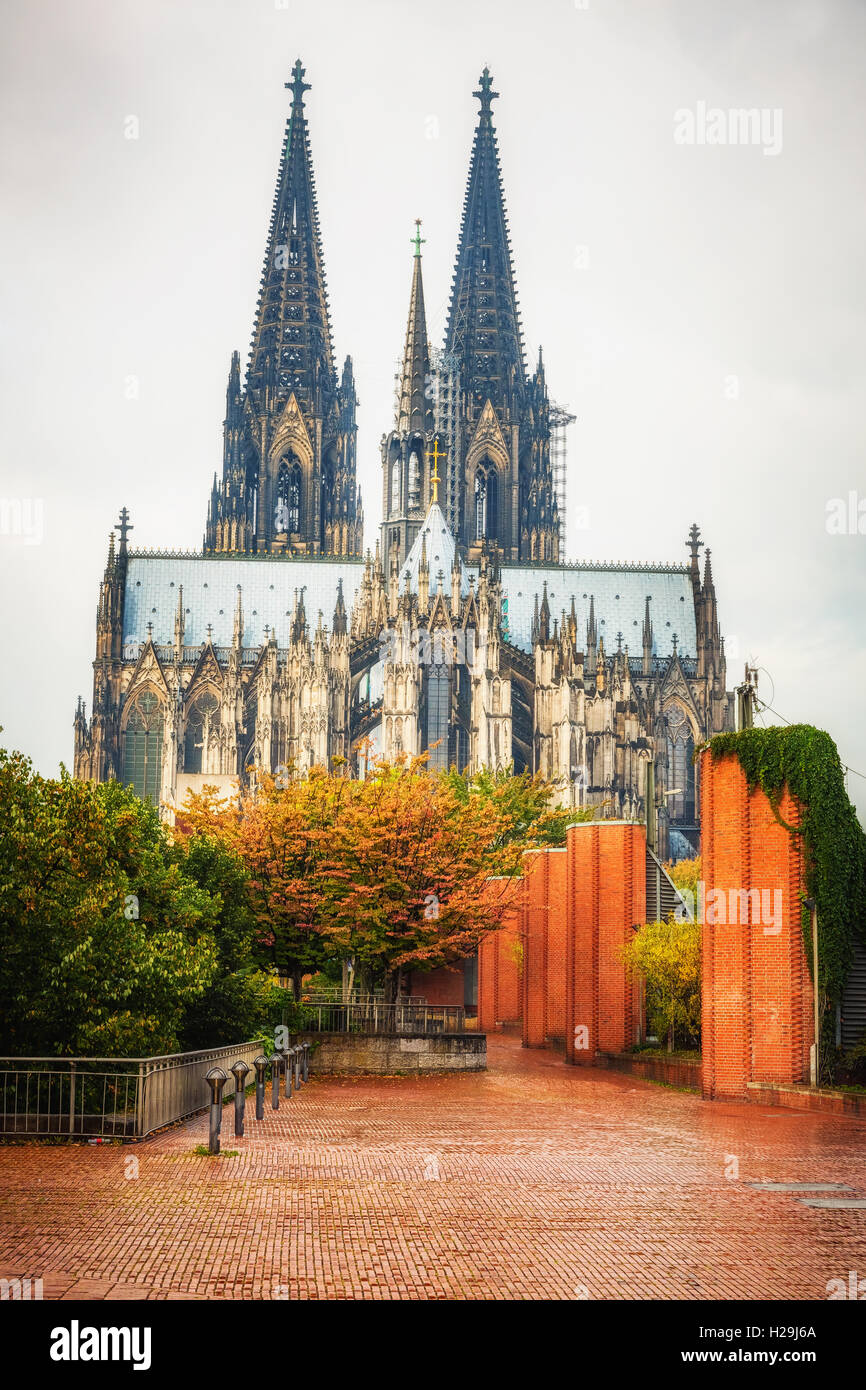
x=373, y=1016
x=108, y=1097
x=337, y=995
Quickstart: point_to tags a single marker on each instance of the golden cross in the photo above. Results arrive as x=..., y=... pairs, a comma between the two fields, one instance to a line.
x=435, y=479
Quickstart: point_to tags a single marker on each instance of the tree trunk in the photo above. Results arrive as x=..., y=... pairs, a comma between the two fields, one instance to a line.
x=297, y=977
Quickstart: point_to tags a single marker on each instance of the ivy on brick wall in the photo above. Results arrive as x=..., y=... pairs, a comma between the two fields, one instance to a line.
x=805, y=760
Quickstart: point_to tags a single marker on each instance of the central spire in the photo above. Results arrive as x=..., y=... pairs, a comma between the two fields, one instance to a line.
x=486, y=95
x=414, y=413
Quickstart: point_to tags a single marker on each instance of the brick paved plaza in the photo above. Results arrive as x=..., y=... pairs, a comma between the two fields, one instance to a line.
x=533, y=1180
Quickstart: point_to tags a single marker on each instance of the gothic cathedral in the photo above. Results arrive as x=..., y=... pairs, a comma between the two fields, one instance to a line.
x=281, y=644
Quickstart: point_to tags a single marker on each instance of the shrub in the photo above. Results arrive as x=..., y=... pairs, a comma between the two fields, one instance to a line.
x=668, y=956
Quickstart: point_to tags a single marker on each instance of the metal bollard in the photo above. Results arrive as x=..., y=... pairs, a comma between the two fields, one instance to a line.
x=240, y=1071
x=261, y=1066
x=275, y=1061
x=298, y=1056
x=216, y=1079
x=306, y=1060
x=286, y=1053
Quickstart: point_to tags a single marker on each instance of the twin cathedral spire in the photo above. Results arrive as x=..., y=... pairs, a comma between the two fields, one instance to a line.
x=288, y=483
x=289, y=462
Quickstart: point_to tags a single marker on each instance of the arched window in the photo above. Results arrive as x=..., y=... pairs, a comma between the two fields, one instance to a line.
x=201, y=724
x=327, y=498
x=287, y=512
x=414, y=481
x=438, y=713
x=281, y=511
x=680, y=747
x=480, y=506
x=395, y=487
x=142, y=747
x=486, y=503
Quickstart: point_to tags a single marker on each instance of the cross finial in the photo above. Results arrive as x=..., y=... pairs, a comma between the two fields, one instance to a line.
x=418, y=240
x=124, y=526
x=694, y=540
x=674, y=640
x=209, y=631
x=485, y=94
x=297, y=86
x=435, y=479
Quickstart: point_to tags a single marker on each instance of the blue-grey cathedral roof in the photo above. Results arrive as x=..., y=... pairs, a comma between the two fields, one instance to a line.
x=210, y=587
x=619, y=596
x=269, y=587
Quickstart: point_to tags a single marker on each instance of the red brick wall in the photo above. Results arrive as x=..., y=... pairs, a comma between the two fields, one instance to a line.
x=499, y=974
x=756, y=988
x=533, y=919
x=510, y=953
x=576, y=909
x=442, y=986
x=605, y=898
x=557, y=931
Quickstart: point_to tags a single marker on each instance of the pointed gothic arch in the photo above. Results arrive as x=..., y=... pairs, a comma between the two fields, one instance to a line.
x=486, y=502
x=290, y=487
x=201, y=731
x=142, y=744
x=416, y=449
x=679, y=754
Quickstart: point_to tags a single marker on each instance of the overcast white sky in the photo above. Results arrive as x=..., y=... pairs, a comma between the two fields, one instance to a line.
x=701, y=307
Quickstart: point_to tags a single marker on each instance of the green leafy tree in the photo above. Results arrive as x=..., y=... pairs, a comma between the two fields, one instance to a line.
x=523, y=801
x=243, y=998
x=104, y=941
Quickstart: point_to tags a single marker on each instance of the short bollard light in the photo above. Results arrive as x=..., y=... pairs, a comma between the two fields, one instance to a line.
x=286, y=1054
x=216, y=1079
x=240, y=1071
x=261, y=1066
x=299, y=1058
x=306, y=1047
x=296, y=1058
x=275, y=1061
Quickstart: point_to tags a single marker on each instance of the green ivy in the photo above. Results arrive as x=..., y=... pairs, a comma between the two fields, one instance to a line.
x=805, y=760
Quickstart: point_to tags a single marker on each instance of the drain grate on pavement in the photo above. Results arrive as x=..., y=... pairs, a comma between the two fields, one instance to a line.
x=835, y=1203
x=800, y=1186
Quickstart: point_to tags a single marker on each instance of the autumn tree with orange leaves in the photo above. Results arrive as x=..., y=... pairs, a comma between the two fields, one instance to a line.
x=285, y=837
x=405, y=870
x=408, y=885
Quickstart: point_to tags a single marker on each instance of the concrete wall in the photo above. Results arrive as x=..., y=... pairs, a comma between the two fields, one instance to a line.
x=361, y=1054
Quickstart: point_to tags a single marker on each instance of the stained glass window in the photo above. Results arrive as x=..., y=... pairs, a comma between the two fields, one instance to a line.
x=438, y=712
x=142, y=747
x=681, y=768
x=201, y=724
